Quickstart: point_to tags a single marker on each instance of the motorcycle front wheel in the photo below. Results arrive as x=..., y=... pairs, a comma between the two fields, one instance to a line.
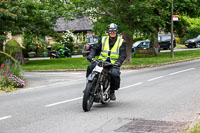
x=88, y=97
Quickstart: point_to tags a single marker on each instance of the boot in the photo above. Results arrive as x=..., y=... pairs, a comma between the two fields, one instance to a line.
x=112, y=95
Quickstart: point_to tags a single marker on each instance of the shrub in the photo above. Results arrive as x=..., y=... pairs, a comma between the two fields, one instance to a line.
x=135, y=39
x=14, y=49
x=56, y=46
x=10, y=78
x=192, y=27
x=67, y=40
x=6, y=58
x=192, y=32
x=178, y=40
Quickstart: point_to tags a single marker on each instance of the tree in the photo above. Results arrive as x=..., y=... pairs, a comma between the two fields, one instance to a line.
x=121, y=12
x=11, y=14
x=35, y=17
x=143, y=16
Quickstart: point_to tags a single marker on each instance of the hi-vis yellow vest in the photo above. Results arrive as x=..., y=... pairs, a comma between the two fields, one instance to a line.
x=114, y=52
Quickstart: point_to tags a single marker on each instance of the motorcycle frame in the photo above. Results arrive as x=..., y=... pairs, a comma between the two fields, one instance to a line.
x=98, y=89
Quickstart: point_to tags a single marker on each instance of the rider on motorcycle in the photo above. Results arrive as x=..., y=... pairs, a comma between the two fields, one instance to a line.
x=111, y=49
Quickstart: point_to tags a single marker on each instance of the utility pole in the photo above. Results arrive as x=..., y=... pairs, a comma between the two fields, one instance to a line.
x=172, y=31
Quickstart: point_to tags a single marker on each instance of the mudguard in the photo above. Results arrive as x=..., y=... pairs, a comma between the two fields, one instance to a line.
x=91, y=76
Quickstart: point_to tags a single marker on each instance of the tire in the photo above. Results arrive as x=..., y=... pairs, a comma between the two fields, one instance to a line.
x=88, y=98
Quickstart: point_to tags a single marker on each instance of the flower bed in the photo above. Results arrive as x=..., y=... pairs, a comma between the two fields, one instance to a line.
x=9, y=81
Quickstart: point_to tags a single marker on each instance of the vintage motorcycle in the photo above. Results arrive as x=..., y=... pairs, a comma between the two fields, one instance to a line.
x=98, y=85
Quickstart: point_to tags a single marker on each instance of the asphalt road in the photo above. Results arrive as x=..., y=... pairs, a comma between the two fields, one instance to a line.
x=52, y=102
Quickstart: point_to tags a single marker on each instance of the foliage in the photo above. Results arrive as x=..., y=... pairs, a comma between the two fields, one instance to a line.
x=34, y=43
x=33, y=17
x=193, y=28
x=8, y=80
x=178, y=40
x=187, y=27
x=14, y=65
x=5, y=57
x=135, y=39
x=13, y=48
x=68, y=39
x=56, y=46
x=11, y=15
x=196, y=129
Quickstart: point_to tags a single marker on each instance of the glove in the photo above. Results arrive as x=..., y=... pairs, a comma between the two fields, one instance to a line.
x=117, y=64
x=89, y=58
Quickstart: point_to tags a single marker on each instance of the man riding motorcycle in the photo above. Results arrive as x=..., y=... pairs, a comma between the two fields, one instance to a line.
x=113, y=49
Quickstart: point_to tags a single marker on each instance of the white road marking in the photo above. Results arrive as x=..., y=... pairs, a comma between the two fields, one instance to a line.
x=65, y=83
x=130, y=86
x=122, y=88
x=182, y=71
x=66, y=101
x=156, y=78
x=78, y=98
x=5, y=117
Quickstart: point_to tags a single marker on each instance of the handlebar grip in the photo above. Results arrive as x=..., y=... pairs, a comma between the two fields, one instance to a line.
x=93, y=60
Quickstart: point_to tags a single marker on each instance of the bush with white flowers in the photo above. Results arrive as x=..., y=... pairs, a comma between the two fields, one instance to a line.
x=68, y=39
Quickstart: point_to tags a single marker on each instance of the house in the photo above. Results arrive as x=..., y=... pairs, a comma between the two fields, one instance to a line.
x=81, y=27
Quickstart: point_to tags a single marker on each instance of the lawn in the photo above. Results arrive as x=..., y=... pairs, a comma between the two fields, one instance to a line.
x=81, y=63
x=57, y=64
x=163, y=58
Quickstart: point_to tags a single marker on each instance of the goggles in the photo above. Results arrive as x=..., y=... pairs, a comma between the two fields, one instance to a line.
x=112, y=31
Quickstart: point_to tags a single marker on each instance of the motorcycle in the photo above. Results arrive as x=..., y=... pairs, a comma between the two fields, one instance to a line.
x=61, y=53
x=98, y=85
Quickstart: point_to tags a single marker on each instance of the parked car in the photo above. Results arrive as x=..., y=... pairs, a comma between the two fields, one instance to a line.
x=164, y=41
x=144, y=44
x=141, y=45
x=194, y=42
x=91, y=41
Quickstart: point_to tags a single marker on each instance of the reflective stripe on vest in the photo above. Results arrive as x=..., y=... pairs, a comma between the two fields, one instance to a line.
x=114, y=52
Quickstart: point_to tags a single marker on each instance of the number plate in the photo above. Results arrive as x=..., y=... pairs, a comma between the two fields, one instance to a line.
x=98, y=69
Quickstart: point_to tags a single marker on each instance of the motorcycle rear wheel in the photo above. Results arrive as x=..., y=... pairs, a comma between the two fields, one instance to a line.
x=88, y=97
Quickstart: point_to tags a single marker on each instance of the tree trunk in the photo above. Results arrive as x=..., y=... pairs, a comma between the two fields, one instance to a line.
x=154, y=39
x=129, y=42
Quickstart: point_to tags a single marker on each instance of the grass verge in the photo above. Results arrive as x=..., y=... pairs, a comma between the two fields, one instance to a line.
x=196, y=129
x=138, y=62
x=163, y=58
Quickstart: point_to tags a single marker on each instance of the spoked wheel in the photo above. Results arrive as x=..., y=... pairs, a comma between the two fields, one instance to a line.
x=88, y=97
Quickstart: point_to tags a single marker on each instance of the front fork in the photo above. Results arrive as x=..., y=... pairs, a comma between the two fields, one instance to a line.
x=104, y=93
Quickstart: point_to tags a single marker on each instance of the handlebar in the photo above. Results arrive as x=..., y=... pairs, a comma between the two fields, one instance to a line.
x=104, y=63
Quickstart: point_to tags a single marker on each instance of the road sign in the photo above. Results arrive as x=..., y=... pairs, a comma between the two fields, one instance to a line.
x=175, y=17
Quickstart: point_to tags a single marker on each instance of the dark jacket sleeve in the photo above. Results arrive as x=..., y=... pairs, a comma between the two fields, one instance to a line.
x=122, y=53
x=95, y=49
